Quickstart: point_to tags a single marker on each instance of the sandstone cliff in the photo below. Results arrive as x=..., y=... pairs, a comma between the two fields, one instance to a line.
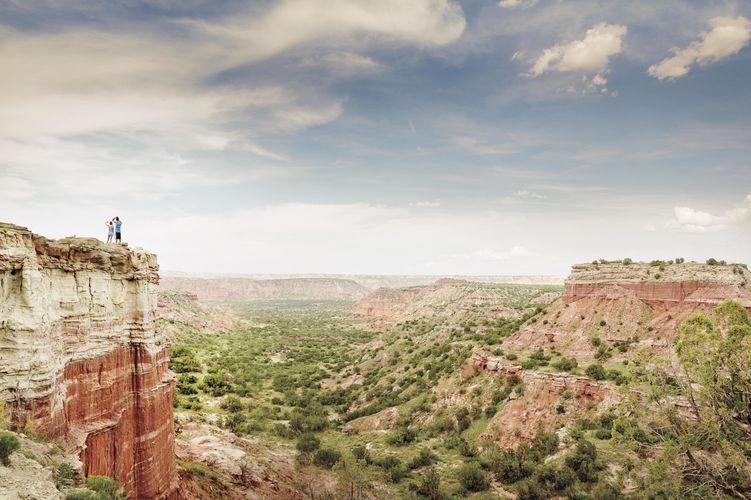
x=638, y=302
x=80, y=356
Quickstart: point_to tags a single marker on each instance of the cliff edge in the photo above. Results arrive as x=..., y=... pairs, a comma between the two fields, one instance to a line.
x=81, y=358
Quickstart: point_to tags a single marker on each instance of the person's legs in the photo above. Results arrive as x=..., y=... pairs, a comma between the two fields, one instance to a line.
x=118, y=238
x=109, y=238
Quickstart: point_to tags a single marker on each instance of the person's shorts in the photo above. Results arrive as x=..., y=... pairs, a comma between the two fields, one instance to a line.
x=118, y=236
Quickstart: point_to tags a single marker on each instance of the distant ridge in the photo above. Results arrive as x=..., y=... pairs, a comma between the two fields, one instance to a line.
x=279, y=289
x=375, y=281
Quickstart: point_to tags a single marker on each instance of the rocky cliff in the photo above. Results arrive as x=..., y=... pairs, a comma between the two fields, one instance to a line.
x=639, y=303
x=81, y=359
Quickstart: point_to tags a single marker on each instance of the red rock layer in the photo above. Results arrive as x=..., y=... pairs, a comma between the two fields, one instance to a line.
x=121, y=405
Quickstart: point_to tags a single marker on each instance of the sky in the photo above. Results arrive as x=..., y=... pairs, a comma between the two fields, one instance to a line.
x=387, y=137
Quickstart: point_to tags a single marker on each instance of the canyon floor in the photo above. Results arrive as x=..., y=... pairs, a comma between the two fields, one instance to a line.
x=453, y=390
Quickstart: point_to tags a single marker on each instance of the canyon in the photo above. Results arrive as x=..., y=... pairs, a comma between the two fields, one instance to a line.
x=81, y=360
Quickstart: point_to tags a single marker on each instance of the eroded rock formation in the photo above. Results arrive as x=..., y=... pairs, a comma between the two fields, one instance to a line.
x=638, y=303
x=81, y=359
x=544, y=393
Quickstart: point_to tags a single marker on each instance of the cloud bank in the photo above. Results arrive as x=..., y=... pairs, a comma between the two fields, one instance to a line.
x=689, y=220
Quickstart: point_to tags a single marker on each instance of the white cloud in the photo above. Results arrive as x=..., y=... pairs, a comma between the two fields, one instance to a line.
x=649, y=228
x=727, y=36
x=528, y=195
x=512, y=4
x=292, y=23
x=689, y=220
x=590, y=54
x=425, y=204
x=345, y=63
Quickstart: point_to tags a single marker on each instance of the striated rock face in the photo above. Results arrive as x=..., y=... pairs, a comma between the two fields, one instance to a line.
x=638, y=303
x=80, y=356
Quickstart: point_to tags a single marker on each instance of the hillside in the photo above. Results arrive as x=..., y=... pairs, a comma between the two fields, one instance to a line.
x=451, y=300
x=609, y=306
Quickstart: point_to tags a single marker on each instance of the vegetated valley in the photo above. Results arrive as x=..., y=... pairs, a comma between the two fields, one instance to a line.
x=615, y=387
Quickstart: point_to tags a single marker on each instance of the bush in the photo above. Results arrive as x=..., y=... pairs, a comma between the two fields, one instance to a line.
x=583, y=461
x=326, y=457
x=361, y=453
x=98, y=488
x=566, y=364
x=82, y=495
x=430, y=485
x=232, y=404
x=603, y=434
x=401, y=437
x=8, y=444
x=472, y=477
x=555, y=478
x=307, y=443
x=596, y=372
x=511, y=467
x=64, y=475
x=423, y=458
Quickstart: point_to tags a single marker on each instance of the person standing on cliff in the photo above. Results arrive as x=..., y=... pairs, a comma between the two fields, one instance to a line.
x=118, y=233
x=110, y=231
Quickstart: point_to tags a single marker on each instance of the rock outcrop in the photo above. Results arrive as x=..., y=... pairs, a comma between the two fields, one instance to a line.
x=81, y=359
x=637, y=303
x=549, y=399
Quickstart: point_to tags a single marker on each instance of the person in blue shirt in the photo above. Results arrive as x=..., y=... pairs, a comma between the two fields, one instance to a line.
x=118, y=233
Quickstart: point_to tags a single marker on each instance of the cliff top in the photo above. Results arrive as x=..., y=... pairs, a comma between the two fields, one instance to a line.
x=20, y=249
x=659, y=271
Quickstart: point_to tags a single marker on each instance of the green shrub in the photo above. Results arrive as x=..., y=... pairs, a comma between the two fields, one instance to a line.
x=8, y=444
x=603, y=434
x=307, y=443
x=361, y=453
x=472, y=477
x=555, y=478
x=566, y=364
x=430, y=485
x=98, y=488
x=64, y=475
x=326, y=457
x=83, y=495
x=423, y=458
x=596, y=372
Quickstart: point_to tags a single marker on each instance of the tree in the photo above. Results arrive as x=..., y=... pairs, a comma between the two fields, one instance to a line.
x=716, y=365
x=8, y=444
x=705, y=450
